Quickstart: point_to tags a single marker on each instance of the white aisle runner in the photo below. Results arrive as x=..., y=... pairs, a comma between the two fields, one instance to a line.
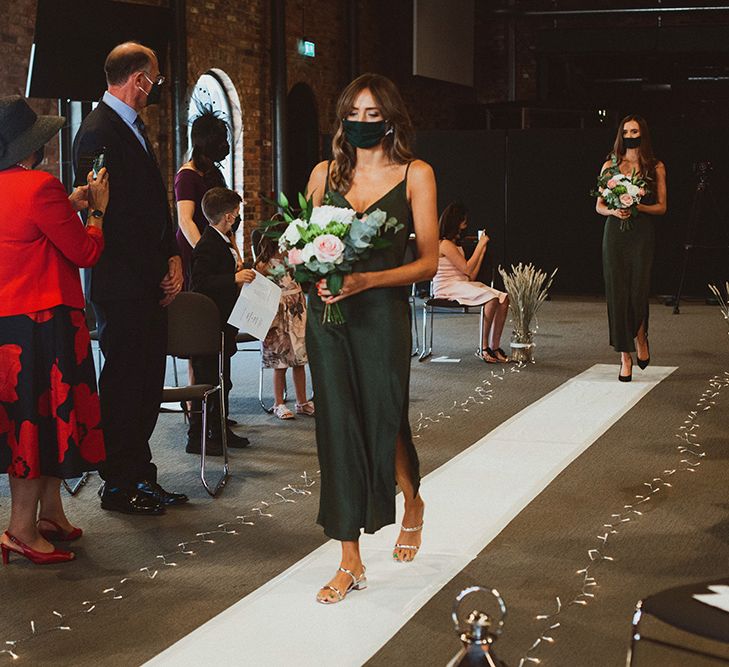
x=469, y=500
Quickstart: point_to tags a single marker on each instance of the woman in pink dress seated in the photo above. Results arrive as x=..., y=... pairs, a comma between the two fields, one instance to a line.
x=455, y=281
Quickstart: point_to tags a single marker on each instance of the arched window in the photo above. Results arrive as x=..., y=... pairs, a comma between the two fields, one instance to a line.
x=214, y=89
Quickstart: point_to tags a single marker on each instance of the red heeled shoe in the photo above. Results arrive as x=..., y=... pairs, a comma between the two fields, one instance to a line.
x=37, y=557
x=59, y=535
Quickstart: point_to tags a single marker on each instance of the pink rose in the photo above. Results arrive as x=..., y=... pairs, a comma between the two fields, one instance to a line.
x=641, y=192
x=295, y=257
x=328, y=248
x=626, y=200
x=612, y=183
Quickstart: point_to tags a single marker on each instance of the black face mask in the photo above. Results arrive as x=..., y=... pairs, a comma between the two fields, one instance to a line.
x=38, y=156
x=631, y=142
x=155, y=94
x=220, y=152
x=235, y=225
x=364, y=135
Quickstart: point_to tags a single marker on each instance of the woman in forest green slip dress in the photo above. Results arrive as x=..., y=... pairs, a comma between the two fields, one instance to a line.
x=627, y=246
x=361, y=369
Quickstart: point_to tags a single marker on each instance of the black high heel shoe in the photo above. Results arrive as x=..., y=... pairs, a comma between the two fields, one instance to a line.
x=626, y=378
x=643, y=363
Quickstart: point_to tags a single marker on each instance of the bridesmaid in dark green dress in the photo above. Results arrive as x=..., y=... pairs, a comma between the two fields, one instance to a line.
x=361, y=370
x=627, y=246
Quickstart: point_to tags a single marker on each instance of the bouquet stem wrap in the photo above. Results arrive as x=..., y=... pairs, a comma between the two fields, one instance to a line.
x=332, y=312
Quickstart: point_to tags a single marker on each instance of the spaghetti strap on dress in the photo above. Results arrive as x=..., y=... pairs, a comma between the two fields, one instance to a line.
x=361, y=375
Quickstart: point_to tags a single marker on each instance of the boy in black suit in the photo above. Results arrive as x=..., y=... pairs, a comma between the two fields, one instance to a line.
x=218, y=274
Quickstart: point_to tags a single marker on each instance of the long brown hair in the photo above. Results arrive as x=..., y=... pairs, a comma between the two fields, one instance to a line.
x=267, y=246
x=396, y=144
x=450, y=221
x=646, y=158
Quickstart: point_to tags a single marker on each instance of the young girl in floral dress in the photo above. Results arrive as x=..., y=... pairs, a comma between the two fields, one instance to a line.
x=284, y=346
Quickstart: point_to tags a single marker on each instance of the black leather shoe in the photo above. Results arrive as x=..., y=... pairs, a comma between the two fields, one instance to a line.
x=237, y=441
x=154, y=490
x=212, y=448
x=130, y=501
x=231, y=422
x=234, y=441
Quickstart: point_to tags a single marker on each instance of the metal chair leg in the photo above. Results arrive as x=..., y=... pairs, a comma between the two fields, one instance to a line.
x=220, y=483
x=414, y=322
x=479, y=349
x=74, y=488
x=427, y=350
x=223, y=429
x=634, y=633
x=266, y=408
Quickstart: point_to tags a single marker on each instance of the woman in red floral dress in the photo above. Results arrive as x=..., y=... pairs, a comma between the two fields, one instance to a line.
x=49, y=406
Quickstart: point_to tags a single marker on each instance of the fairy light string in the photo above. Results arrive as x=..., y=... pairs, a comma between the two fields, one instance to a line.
x=691, y=454
x=188, y=549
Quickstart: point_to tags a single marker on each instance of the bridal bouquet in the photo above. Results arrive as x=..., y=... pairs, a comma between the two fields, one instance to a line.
x=325, y=242
x=619, y=191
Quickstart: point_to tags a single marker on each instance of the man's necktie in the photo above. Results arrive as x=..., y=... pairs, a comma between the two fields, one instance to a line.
x=139, y=124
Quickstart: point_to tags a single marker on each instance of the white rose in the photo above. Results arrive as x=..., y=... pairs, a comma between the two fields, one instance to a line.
x=323, y=215
x=307, y=252
x=633, y=190
x=292, y=235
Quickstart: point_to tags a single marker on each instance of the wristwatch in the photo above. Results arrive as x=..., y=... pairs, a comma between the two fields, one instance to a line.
x=96, y=213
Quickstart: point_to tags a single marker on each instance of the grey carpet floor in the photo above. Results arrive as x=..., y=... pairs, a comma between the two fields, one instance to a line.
x=681, y=537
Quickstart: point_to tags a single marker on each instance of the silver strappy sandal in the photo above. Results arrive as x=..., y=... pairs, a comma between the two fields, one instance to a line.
x=411, y=547
x=358, y=584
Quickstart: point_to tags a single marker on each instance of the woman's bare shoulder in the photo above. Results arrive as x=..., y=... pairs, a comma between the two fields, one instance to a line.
x=420, y=169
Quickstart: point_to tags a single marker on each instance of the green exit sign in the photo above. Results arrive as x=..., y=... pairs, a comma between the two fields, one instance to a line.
x=307, y=48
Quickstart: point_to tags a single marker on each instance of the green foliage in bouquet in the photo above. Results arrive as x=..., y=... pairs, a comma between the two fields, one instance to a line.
x=326, y=241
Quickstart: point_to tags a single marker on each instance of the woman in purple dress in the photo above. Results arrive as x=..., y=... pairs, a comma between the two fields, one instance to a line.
x=209, y=147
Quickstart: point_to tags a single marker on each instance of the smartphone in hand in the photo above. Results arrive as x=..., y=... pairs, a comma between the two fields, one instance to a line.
x=89, y=162
x=98, y=164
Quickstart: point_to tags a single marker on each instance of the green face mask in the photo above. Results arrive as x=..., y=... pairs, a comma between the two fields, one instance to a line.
x=364, y=135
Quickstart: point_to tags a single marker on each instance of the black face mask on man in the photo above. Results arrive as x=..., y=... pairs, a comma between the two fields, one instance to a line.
x=154, y=95
x=236, y=224
x=631, y=142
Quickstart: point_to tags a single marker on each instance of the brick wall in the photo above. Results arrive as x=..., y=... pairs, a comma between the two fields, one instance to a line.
x=16, y=38
x=234, y=37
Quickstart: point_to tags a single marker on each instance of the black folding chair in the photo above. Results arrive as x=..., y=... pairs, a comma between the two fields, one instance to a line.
x=73, y=486
x=703, y=630
x=429, y=306
x=256, y=236
x=194, y=330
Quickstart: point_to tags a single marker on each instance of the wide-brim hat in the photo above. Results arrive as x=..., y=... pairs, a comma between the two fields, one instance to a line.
x=22, y=131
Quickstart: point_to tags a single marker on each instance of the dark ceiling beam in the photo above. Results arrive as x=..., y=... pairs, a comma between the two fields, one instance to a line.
x=520, y=13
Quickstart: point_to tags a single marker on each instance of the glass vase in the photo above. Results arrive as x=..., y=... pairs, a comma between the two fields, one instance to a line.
x=522, y=346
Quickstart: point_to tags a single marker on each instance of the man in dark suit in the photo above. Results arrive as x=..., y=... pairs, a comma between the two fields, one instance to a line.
x=138, y=275
x=217, y=273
